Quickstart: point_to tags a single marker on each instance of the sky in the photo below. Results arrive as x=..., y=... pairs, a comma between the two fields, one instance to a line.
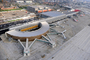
x=86, y=0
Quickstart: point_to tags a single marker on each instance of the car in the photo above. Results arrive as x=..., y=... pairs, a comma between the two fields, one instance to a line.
x=75, y=15
x=75, y=20
x=68, y=16
x=82, y=15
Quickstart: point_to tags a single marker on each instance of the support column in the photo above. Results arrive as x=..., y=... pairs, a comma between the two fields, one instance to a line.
x=27, y=48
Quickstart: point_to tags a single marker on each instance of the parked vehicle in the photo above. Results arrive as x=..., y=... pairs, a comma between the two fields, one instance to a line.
x=75, y=20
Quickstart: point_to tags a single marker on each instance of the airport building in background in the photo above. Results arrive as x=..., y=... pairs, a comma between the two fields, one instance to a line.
x=24, y=1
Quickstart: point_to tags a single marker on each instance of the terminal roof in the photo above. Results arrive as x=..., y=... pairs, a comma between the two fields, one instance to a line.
x=52, y=13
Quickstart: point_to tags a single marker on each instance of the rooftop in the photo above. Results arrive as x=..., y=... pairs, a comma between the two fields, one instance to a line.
x=52, y=13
